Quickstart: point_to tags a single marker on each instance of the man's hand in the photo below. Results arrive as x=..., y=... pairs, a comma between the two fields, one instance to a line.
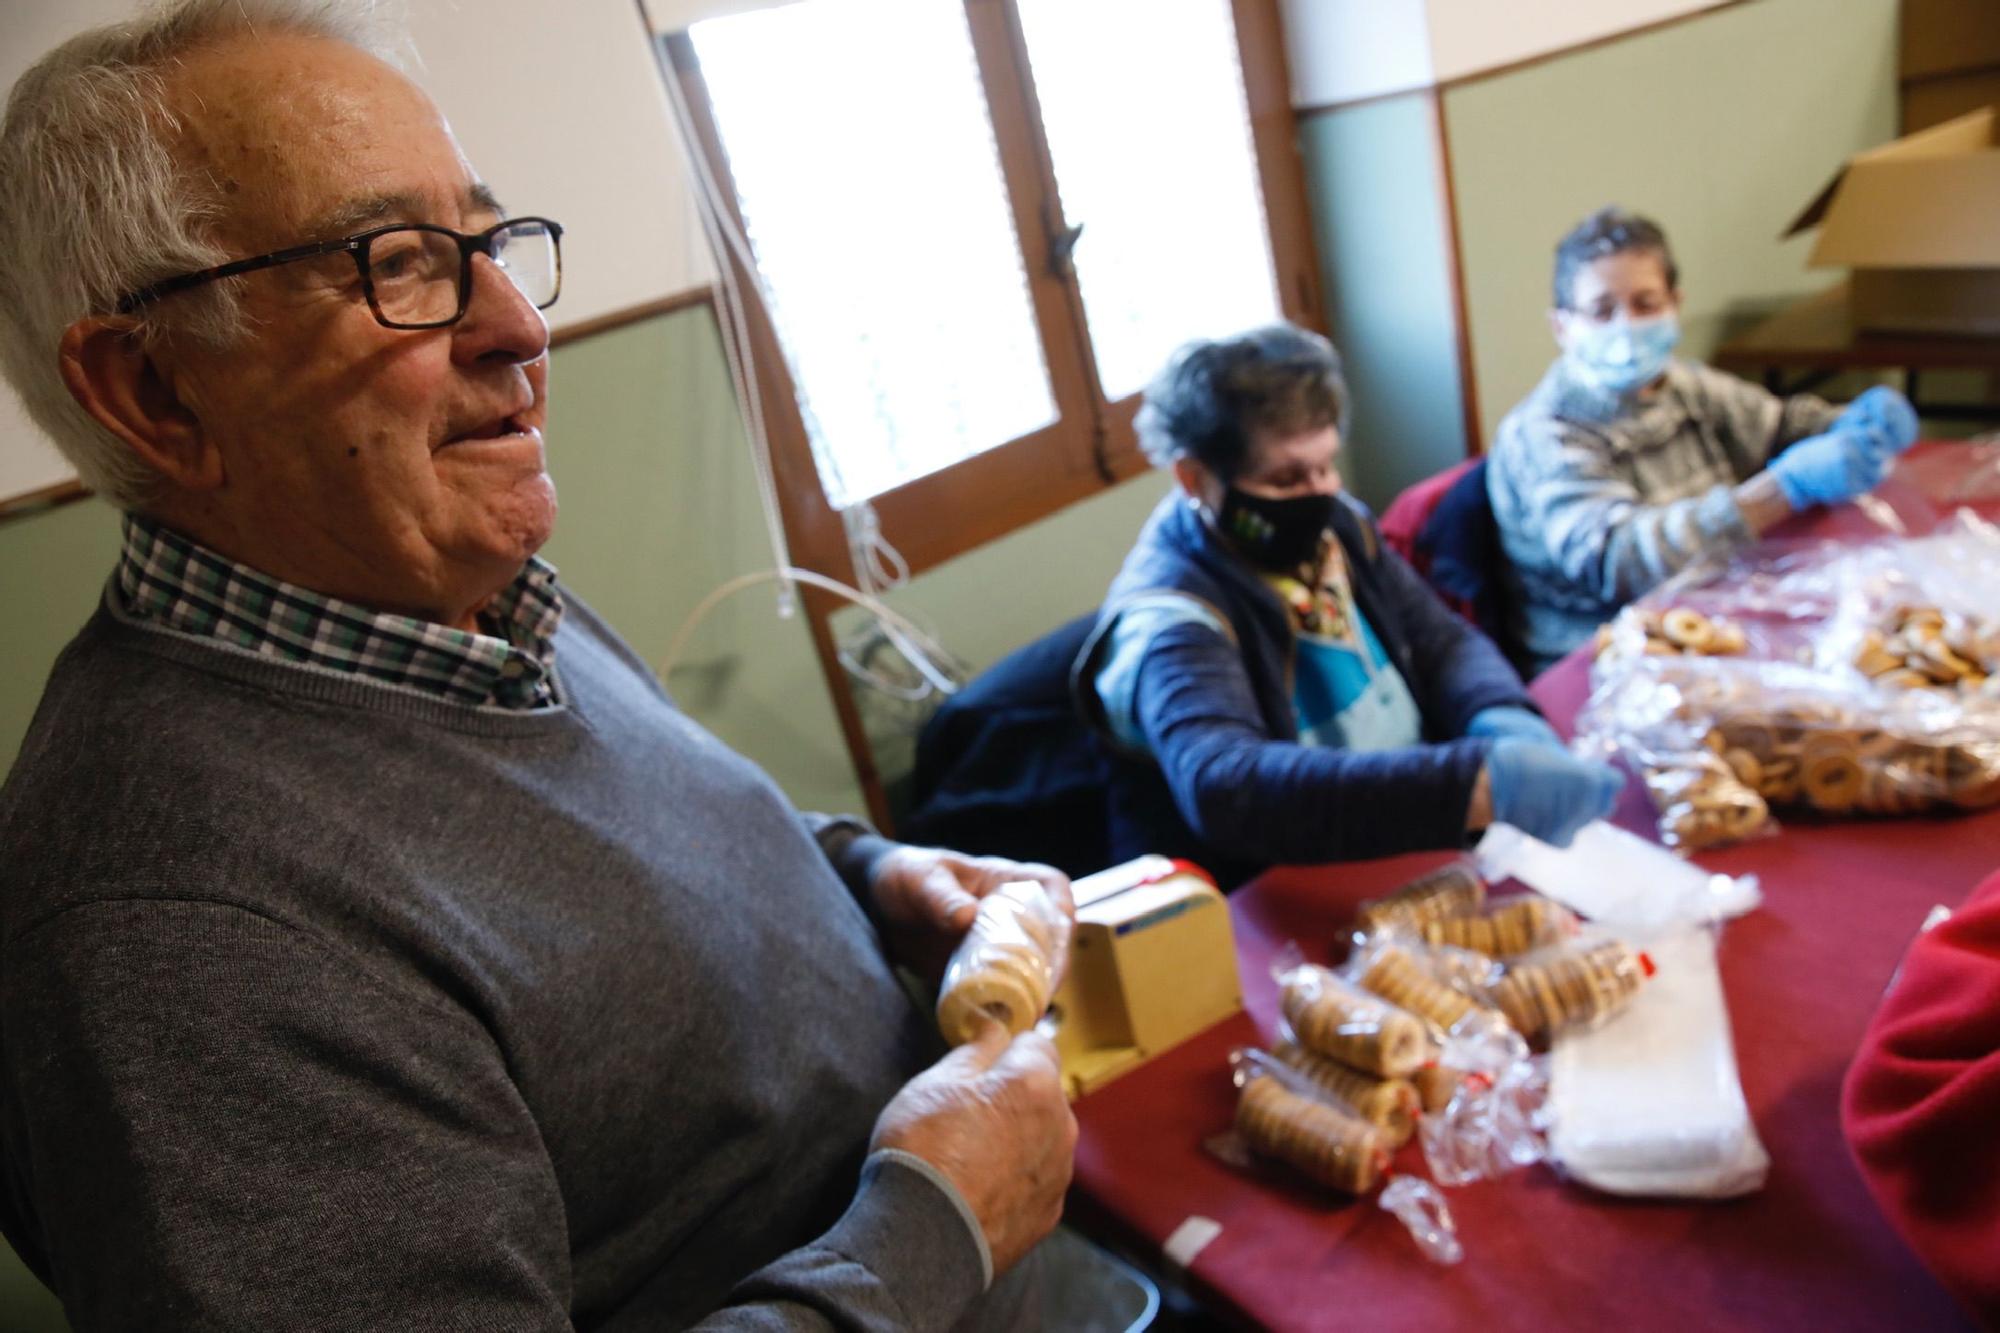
x=992, y=1117
x=926, y=897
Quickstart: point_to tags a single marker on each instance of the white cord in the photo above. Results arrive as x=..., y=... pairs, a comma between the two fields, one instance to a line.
x=719, y=230
x=929, y=650
x=878, y=566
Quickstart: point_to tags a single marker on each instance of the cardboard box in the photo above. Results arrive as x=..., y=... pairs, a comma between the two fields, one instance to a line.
x=1934, y=101
x=1948, y=37
x=1914, y=219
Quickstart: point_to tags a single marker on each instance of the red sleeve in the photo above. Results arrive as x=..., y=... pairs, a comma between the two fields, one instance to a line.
x=1922, y=1103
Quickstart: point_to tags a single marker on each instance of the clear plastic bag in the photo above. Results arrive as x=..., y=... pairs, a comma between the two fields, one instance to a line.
x=1008, y=964
x=1869, y=684
x=1652, y=1105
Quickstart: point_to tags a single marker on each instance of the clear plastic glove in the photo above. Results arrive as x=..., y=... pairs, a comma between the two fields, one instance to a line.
x=1547, y=792
x=1827, y=469
x=1888, y=413
x=991, y=1116
x=1493, y=723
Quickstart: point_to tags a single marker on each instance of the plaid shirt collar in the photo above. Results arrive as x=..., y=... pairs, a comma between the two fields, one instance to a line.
x=165, y=578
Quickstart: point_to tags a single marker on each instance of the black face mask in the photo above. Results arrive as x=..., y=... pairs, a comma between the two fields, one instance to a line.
x=1276, y=534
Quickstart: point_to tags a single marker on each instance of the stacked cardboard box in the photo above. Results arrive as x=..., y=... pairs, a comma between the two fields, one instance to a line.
x=1950, y=60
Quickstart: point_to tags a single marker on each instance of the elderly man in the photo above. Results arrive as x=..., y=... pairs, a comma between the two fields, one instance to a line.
x=1625, y=466
x=382, y=949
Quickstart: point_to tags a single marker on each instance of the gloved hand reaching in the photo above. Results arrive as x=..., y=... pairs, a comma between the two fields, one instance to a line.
x=1547, y=792
x=1507, y=720
x=1827, y=469
x=1887, y=413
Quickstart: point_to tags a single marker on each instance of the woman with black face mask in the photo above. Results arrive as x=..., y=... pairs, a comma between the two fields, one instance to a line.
x=1277, y=686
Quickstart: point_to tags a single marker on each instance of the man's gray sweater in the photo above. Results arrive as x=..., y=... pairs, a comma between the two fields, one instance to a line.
x=326, y=1004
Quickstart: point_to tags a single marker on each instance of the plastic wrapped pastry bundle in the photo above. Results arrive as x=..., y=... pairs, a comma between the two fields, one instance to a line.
x=1390, y=1104
x=1008, y=964
x=1554, y=989
x=1870, y=685
x=1506, y=928
x=1450, y=890
x=1417, y=977
x=1333, y=1018
x=1280, y=1116
x=1675, y=631
x=1703, y=802
x=1918, y=647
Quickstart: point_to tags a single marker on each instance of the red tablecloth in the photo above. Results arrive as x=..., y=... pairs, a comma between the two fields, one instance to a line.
x=1842, y=901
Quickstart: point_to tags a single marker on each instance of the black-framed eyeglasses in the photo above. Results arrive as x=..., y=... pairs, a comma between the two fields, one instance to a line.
x=416, y=276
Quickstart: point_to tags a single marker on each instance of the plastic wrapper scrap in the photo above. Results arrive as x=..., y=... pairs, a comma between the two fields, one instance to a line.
x=1283, y=1117
x=1008, y=964
x=1868, y=683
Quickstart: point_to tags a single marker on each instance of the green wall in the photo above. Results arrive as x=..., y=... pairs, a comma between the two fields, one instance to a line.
x=1380, y=225
x=1721, y=128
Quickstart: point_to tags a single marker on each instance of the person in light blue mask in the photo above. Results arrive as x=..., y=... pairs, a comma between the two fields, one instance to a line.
x=1273, y=683
x=1626, y=464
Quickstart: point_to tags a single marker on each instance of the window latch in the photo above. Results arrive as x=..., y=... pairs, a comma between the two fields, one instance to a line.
x=1062, y=250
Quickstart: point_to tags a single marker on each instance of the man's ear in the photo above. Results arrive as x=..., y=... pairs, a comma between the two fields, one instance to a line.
x=1556, y=327
x=117, y=379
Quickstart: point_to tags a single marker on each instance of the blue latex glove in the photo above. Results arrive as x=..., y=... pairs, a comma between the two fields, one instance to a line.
x=1493, y=723
x=1889, y=413
x=1549, y=793
x=1827, y=469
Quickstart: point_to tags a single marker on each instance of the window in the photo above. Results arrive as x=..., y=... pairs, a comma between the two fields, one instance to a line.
x=979, y=227
x=879, y=219
x=975, y=229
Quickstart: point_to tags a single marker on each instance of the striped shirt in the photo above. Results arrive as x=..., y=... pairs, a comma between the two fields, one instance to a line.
x=164, y=578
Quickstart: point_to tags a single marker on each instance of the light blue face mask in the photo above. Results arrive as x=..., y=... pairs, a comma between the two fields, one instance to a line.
x=1625, y=354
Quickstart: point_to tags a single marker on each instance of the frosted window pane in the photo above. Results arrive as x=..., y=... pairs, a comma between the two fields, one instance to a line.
x=1149, y=127
x=869, y=181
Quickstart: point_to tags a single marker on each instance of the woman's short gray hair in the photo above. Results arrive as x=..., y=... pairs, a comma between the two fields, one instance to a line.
x=1215, y=393
x=93, y=205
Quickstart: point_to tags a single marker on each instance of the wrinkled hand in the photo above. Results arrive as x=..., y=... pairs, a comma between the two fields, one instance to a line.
x=992, y=1117
x=1827, y=469
x=926, y=897
x=1885, y=413
x=1548, y=793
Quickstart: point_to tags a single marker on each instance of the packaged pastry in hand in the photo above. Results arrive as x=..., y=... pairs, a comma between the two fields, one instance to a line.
x=1008, y=964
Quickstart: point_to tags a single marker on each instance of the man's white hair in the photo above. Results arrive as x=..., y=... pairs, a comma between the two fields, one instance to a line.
x=93, y=205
